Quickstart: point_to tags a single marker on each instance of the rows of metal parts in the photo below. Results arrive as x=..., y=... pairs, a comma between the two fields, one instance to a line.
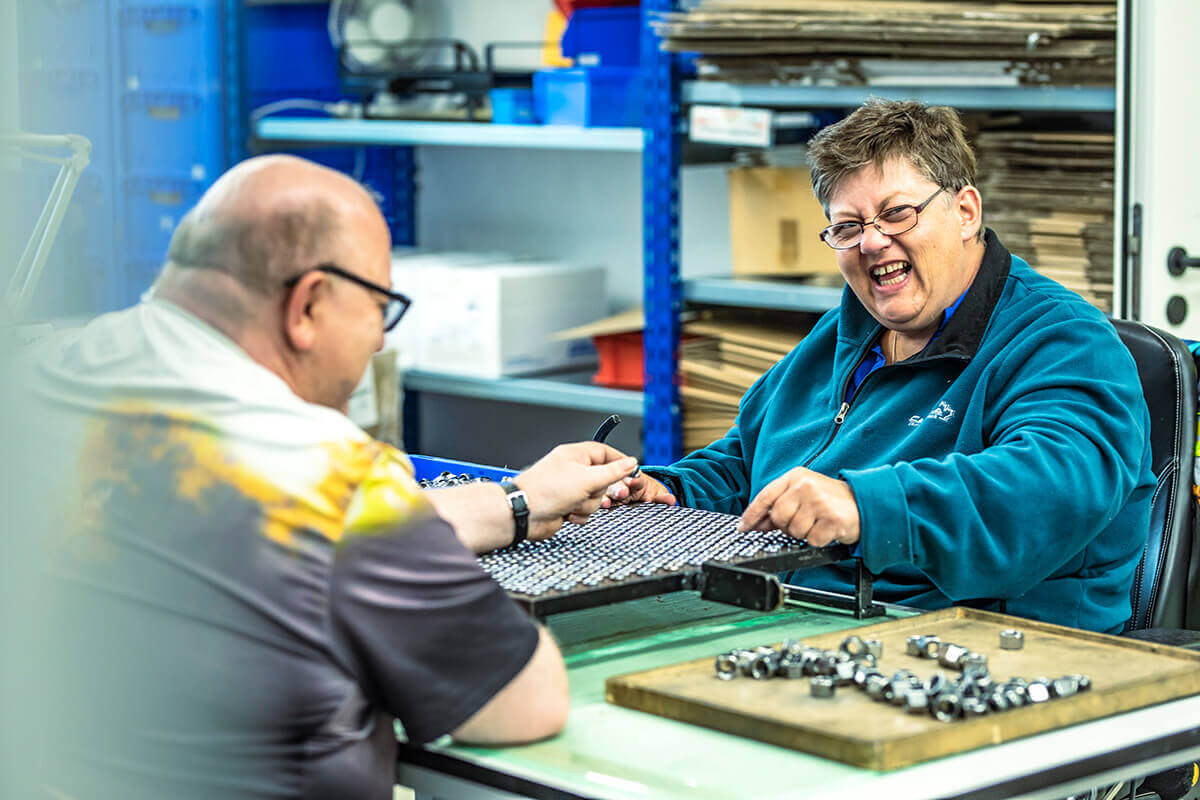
x=627, y=542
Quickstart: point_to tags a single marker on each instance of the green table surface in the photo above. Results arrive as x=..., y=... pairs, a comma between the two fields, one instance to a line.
x=610, y=752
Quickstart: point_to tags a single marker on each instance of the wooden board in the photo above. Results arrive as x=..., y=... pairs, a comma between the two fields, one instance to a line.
x=1126, y=674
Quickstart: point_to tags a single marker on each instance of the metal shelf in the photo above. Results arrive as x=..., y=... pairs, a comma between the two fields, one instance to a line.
x=753, y=293
x=1029, y=98
x=448, y=134
x=568, y=390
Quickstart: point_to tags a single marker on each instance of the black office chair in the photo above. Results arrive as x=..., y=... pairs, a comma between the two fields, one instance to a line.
x=1168, y=374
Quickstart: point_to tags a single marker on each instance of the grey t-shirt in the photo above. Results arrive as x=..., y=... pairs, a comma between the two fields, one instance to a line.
x=243, y=589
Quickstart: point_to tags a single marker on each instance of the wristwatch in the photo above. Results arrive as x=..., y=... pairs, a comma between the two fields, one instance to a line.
x=520, y=510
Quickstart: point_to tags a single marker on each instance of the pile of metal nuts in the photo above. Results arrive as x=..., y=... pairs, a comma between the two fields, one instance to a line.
x=448, y=478
x=970, y=691
x=826, y=669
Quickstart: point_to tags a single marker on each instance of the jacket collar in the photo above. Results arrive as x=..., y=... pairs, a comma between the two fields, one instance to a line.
x=964, y=331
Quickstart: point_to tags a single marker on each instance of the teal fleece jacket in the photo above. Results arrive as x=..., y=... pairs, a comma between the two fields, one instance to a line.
x=1005, y=466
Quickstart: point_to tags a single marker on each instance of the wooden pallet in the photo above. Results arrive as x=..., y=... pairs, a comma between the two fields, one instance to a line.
x=1126, y=674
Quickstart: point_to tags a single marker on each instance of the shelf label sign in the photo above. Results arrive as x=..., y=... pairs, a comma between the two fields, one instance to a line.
x=749, y=127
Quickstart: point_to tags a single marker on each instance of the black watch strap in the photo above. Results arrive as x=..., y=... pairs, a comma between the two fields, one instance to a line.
x=520, y=510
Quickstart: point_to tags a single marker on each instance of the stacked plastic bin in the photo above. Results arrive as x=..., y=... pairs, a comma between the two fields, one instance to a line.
x=65, y=69
x=604, y=88
x=289, y=57
x=168, y=84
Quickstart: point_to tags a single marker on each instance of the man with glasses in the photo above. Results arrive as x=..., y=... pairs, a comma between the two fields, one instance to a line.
x=245, y=588
x=974, y=428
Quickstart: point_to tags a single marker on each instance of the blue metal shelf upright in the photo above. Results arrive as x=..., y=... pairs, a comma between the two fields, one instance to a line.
x=661, y=424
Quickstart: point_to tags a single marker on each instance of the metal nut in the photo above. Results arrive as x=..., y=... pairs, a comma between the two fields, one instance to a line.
x=763, y=666
x=791, y=670
x=866, y=660
x=974, y=665
x=844, y=673
x=998, y=701
x=1014, y=696
x=951, y=656
x=854, y=646
x=827, y=663
x=916, y=701
x=912, y=645
x=930, y=646
x=1038, y=691
x=974, y=707
x=1085, y=682
x=744, y=659
x=899, y=691
x=875, y=648
x=727, y=666
x=1011, y=639
x=875, y=686
x=936, y=684
x=862, y=674
x=946, y=707
x=1064, y=687
x=821, y=686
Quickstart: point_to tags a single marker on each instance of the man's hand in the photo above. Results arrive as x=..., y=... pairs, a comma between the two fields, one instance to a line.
x=641, y=489
x=807, y=505
x=568, y=484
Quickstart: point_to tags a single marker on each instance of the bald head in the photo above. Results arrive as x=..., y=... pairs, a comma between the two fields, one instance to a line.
x=270, y=218
x=249, y=259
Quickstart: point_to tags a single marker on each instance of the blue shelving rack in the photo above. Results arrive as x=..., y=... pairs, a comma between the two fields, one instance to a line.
x=660, y=231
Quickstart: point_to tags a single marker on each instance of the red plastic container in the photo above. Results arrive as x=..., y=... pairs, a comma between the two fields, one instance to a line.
x=620, y=361
x=568, y=6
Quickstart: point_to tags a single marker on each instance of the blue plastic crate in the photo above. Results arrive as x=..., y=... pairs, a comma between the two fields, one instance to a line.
x=512, y=106
x=78, y=274
x=592, y=97
x=153, y=209
x=69, y=100
x=54, y=33
x=173, y=133
x=288, y=49
x=428, y=468
x=604, y=37
x=171, y=47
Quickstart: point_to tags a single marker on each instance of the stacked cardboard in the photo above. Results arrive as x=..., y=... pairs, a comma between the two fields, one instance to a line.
x=720, y=360
x=1042, y=42
x=1049, y=196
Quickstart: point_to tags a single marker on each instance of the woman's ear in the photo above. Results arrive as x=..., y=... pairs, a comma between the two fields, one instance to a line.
x=969, y=206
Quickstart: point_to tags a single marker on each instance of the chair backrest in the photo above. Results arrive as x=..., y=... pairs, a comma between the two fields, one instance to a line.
x=1168, y=375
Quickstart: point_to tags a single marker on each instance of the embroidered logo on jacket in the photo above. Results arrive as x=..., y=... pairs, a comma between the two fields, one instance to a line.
x=943, y=413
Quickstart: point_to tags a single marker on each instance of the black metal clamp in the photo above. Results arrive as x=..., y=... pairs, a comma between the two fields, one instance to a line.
x=763, y=591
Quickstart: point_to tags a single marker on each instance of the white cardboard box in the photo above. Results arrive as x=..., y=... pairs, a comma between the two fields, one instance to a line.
x=476, y=315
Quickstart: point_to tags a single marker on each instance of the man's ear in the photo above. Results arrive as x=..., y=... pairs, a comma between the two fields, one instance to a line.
x=969, y=206
x=303, y=309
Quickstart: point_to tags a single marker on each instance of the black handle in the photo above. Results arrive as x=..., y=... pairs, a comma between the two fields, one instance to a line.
x=1178, y=261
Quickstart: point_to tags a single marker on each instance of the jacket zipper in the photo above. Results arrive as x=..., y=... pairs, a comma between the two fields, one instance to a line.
x=844, y=409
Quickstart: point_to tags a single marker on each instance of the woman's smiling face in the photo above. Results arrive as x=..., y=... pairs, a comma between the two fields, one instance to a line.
x=906, y=281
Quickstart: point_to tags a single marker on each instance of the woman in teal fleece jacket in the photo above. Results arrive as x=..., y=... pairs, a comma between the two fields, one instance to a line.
x=976, y=428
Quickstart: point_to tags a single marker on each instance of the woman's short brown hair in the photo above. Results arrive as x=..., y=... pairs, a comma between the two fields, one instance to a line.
x=931, y=138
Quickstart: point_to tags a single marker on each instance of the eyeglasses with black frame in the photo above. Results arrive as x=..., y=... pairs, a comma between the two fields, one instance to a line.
x=397, y=303
x=890, y=222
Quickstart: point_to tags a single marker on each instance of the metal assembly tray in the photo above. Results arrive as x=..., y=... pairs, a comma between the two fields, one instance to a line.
x=628, y=552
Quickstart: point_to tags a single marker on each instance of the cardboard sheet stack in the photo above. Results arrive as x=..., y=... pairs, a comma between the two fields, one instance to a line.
x=1049, y=196
x=718, y=361
x=763, y=40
